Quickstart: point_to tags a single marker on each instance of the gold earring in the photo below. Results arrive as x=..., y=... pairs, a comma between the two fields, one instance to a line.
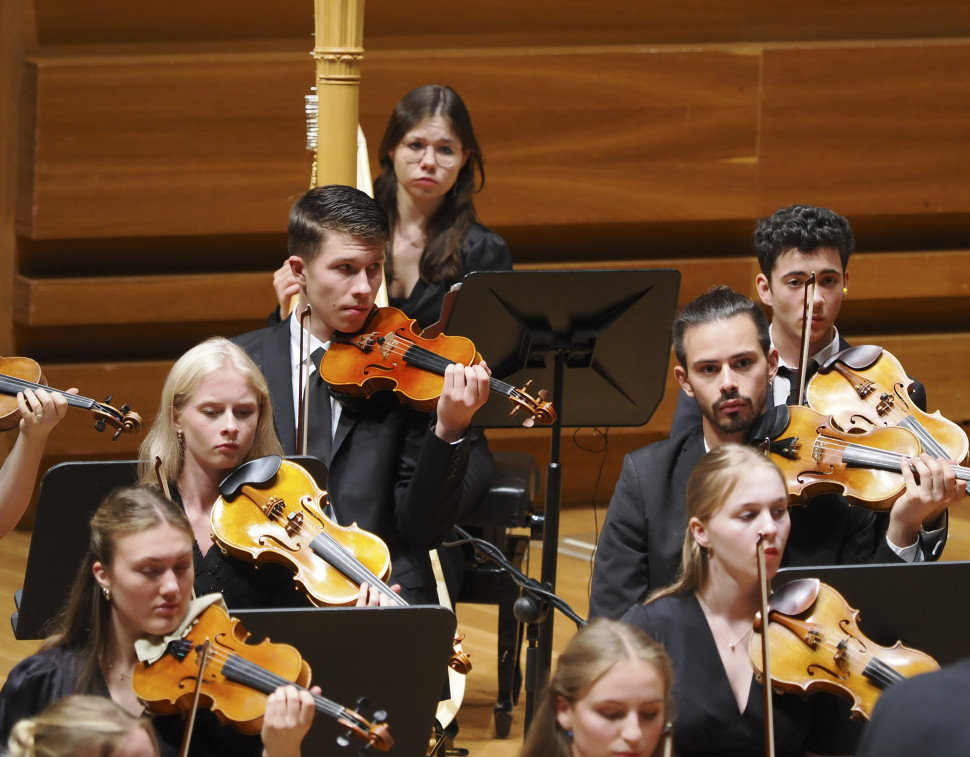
x=845, y=291
x=107, y=592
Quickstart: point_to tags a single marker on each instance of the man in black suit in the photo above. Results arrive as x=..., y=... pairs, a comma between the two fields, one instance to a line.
x=726, y=365
x=394, y=471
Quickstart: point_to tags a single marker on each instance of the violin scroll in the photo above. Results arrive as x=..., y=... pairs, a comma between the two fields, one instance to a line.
x=125, y=421
x=374, y=732
x=538, y=409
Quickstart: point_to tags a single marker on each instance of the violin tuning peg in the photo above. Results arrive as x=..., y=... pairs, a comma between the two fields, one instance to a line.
x=100, y=424
x=361, y=704
x=380, y=716
x=117, y=433
x=125, y=409
x=108, y=399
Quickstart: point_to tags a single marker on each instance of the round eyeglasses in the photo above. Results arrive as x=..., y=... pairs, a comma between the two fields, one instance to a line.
x=445, y=156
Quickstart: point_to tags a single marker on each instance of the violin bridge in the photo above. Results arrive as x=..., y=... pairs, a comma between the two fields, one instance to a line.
x=387, y=346
x=886, y=404
x=818, y=449
x=294, y=524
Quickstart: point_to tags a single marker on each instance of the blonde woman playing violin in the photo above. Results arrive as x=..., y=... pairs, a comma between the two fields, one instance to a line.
x=705, y=618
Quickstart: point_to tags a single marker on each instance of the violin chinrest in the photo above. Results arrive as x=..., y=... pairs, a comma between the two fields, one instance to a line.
x=859, y=358
x=253, y=473
x=770, y=425
x=795, y=597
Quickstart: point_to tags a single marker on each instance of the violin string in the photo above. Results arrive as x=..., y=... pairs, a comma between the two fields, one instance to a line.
x=879, y=458
x=875, y=668
x=262, y=678
x=425, y=359
x=362, y=573
x=15, y=384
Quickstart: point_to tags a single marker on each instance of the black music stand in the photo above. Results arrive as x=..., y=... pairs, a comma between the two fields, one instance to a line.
x=396, y=657
x=598, y=340
x=924, y=605
x=69, y=494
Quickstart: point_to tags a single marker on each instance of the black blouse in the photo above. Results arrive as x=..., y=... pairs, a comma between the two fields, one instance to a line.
x=707, y=720
x=483, y=251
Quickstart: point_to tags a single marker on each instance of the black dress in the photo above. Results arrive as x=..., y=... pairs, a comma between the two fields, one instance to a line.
x=47, y=676
x=707, y=720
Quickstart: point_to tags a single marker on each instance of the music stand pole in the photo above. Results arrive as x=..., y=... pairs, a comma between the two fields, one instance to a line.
x=550, y=533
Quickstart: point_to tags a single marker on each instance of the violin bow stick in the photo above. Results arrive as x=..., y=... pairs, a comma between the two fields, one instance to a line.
x=162, y=483
x=304, y=389
x=806, y=335
x=190, y=719
x=765, y=665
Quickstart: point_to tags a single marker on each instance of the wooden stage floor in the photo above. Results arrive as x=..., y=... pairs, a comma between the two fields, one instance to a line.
x=578, y=529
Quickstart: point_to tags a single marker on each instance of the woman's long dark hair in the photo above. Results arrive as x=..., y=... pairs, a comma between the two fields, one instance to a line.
x=441, y=259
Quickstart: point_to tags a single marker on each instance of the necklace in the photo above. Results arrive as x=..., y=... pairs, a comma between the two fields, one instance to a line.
x=114, y=671
x=712, y=617
x=742, y=637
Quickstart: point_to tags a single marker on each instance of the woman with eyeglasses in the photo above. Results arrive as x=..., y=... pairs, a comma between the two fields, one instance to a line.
x=431, y=167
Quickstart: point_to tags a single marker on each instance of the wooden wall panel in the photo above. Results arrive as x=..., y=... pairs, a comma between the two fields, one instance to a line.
x=604, y=136
x=598, y=137
x=444, y=23
x=156, y=146
x=867, y=130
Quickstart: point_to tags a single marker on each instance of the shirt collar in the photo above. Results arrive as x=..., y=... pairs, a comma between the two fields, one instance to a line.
x=819, y=357
x=295, y=333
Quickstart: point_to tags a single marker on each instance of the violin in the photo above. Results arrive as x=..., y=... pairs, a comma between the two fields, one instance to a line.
x=236, y=679
x=816, y=645
x=866, y=387
x=816, y=456
x=19, y=373
x=391, y=353
x=272, y=511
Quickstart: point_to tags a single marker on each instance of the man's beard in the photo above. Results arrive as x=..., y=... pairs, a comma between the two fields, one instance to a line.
x=737, y=422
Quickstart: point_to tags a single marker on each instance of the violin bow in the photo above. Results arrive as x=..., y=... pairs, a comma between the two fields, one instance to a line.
x=162, y=483
x=190, y=720
x=766, y=672
x=809, y=308
x=303, y=411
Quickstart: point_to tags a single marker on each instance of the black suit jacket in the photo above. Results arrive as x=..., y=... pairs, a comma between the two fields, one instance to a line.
x=388, y=471
x=640, y=545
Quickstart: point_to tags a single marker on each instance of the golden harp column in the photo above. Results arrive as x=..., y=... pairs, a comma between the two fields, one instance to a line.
x=338, y=52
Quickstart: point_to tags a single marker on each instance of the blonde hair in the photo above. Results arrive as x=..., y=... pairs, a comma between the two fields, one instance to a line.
x=712, y=481
x=83, y=625
x=183, y=379
x=77, y=726
x=588, y=656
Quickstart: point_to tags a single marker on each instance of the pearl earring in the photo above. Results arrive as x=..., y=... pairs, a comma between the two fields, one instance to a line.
x=107, y=592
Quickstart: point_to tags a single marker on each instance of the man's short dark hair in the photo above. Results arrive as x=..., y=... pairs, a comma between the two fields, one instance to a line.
x=801, y=227
x=720, y=304
x=335, y=208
